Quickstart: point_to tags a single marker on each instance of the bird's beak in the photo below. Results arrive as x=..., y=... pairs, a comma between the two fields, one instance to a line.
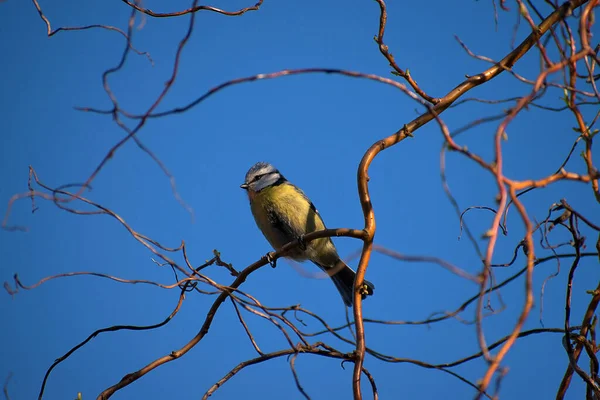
x=244, y=186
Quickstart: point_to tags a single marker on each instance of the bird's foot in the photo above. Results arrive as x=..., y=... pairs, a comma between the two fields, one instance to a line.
x=364, y=290
x=302, y=242
x=272, y=262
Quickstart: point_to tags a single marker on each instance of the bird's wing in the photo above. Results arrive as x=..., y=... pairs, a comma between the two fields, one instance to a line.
x=282, y=226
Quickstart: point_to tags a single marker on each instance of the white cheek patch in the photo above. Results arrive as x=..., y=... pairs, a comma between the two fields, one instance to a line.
x=265, y=181
x=263, y=171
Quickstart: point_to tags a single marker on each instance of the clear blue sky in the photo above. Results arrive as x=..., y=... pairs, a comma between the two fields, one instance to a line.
x=315, y=129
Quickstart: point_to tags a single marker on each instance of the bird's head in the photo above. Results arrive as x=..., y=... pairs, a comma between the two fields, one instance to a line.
x=260, y=176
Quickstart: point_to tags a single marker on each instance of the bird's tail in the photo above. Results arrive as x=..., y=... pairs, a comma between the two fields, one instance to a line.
x=344, y=282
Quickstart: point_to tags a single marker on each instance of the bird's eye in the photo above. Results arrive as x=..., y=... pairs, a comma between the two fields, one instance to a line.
x=256, y=178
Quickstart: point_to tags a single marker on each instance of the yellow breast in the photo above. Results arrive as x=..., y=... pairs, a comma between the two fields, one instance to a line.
x=283, y=213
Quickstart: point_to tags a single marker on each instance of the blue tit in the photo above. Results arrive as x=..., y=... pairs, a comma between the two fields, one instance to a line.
x=283, y=213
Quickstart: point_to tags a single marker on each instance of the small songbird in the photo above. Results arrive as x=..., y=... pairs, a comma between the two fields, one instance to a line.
x=284, y=214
